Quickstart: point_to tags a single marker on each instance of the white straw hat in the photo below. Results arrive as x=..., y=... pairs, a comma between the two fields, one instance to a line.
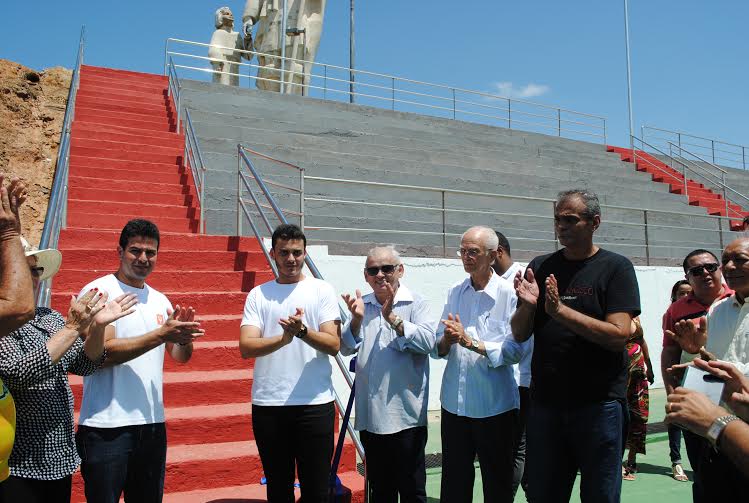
x=50, y=259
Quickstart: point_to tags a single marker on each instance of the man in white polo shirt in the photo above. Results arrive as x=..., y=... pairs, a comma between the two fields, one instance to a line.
x=291, y=326
x=121, y=436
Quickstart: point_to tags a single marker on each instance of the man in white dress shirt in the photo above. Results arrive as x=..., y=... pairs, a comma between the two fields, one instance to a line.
x=479, y=394
x=392, y=331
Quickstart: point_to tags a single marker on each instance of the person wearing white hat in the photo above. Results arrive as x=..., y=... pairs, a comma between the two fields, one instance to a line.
x=34, y=363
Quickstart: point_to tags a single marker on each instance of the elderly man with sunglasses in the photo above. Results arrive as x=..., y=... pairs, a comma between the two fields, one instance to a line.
x=479, y=394
x=393, y=333
x=702, y=272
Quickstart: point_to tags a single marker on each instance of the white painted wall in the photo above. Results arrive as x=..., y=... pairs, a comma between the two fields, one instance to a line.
x=431, y=277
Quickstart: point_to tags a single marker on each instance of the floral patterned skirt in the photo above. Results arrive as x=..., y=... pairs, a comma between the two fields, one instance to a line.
x=638, y=400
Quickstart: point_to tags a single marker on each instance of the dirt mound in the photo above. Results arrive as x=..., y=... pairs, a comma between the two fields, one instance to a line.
x=32, y=107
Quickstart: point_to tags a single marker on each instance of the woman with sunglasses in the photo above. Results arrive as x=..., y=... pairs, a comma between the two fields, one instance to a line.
x=34, y=364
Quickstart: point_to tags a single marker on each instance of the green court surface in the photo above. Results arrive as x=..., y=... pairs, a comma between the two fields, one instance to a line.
x=653, y=484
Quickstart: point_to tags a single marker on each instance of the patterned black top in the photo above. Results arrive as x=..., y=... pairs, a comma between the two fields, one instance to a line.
x=45, y=447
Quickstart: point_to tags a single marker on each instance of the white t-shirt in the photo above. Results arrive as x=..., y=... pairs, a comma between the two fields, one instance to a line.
x=129, y=393
x=296, y=374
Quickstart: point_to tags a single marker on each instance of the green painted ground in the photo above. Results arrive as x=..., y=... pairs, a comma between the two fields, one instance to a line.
x=653, y=484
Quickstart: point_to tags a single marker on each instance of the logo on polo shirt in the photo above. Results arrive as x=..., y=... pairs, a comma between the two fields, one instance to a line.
x=160, y=319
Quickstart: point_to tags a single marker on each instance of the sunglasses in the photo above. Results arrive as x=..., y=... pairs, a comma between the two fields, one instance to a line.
x=386, y=269
x=37, y=272
x=699, y=270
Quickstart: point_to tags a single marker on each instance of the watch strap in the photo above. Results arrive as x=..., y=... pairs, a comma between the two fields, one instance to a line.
x=716, y=429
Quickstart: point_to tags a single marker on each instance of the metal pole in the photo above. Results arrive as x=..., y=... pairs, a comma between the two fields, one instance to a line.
x=720, y=231
x=629, y=74
x=554, y=212
x=392, y=99
x=647, y=240
x=301, y=199
x=509, y=114
x=453, y=104
x=725, y=196
x=559, y=122
x=712, y=148
x=351, y=52
x=325, y=82
x=743, y=157
x=239, y=190
x=282, y=41
x=444, y=227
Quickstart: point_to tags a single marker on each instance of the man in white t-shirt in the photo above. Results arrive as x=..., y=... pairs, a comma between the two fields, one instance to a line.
x=121, y=436
x=291, y=326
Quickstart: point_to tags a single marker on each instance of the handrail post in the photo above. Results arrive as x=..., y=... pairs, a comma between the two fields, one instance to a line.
x=324, y=82
x=720, y=231
x=509, y=113
x=392, y=96
x=301, y=199
x=684, y=175
x=712, y=148
x=166, y=56
x=647, y=237
x=743, y=157
x=604, y=131
x=201, y=175
x=725, y=195
x=559, y=122
x=239, y=190
x=444, y=227
x=453, y=90
x=553, y=223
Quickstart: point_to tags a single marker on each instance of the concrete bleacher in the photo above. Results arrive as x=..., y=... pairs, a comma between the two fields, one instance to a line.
x=344, y=141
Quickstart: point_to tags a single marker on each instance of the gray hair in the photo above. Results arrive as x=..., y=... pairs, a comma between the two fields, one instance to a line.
x=218, y=20
x=491, y=241
x=389, y=249
x=589, y=199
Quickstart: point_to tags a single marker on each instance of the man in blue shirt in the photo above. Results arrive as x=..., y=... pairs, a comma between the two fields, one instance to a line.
x=479, y=394
x=393, y=333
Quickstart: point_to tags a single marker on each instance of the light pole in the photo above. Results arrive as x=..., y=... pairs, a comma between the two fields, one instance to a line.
x=283, y=47
x=351, y=53
x=629, y=76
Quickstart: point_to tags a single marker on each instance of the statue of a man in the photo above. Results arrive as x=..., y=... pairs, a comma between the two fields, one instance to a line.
x=226, y=49
x=305, y=19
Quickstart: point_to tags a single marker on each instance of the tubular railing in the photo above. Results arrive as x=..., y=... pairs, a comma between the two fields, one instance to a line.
x=647, y=220
x=377, y=89
x=719, y=152
x=56, y=218
x=192, y=154
x=244, y=181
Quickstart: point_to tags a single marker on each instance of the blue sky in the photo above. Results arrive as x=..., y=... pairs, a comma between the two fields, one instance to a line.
x=690, y=59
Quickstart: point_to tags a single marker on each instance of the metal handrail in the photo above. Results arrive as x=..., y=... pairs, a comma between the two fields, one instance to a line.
x=193, y=156
x=740, y=157
x=556, y=121
x=242, y=158
x=56, y=217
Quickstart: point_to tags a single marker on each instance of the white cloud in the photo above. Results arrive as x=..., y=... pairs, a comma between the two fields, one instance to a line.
x=531, y=90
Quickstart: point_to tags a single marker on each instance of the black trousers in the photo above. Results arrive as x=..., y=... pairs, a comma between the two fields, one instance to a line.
x=21, y=490
x=519, y=478
x=492, y=439
x=295, y=436
x=395, y=465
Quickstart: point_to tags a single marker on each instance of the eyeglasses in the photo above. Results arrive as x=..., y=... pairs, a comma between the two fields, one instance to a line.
x=471, y=252
x=699, y=270
x=386, y=269
x=37, y=272
x=566, y=219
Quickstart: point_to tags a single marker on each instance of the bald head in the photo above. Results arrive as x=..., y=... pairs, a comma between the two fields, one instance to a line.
x=484, y=235
x=735, y=265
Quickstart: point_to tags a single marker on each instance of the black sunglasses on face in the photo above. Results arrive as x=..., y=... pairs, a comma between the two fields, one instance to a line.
x=386, y=269
x=699, y=270
x=37, y=272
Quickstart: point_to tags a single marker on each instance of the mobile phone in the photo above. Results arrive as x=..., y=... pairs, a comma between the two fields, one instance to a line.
x=698, y=380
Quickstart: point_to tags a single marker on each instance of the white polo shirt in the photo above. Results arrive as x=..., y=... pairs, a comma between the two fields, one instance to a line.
x=728, y=332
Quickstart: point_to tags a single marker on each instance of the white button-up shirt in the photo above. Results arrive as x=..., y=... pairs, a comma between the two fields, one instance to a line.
x=522, y=370
x=392, y=372
x=728, y=332
x=473, y=385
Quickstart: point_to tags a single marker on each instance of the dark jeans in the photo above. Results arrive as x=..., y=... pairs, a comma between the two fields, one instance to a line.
x=21, y=490
x=292, y=436
x=716, y=478
x=491, y=438
x=519, y=477
x=129, y=459
x=395, y=465
x=674, y=443
x=563, y=439
x=695, y=444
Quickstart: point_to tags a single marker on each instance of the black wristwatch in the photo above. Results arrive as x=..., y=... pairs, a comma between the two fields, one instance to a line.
x=302, y=332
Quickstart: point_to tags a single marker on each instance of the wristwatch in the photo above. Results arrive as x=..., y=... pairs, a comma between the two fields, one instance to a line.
x=302, y=332
x=474, y=345
x=716, y=429
x=397, y=322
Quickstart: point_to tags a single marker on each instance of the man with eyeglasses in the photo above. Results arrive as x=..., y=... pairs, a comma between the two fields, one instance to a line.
x=291, y=325
x=578, y=303
x=722, y=333
x=702, y=272
x=479, y=394
x=392, y=333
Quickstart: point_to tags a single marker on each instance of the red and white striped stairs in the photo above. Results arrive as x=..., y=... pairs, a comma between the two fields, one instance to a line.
x=126, y=162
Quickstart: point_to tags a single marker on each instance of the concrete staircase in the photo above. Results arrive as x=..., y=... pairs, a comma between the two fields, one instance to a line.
x=342, y=141
x=697, y=193
x=126, y=162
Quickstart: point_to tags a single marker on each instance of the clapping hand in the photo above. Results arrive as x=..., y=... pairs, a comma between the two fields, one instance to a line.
x=689, y=336
x=293, y=324
x=454, y=331
x=736, y=390
x=526, y=287
x=552, y=302
x=84, y=308
x=116, y=309
x=181, y=327
x=355, y=305
x=11, y=199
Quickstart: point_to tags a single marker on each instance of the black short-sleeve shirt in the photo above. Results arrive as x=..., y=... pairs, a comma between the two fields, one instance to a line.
x=566, y=368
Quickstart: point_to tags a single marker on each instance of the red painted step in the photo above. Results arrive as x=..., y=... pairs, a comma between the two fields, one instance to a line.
x=143, y=122
x=105, y=258
x=176, y=177
x=81, y=126
x=122, y=196
x=73, y=238
x=162, y=279
x=90, y=182
x=118, y=221
x=104, y=133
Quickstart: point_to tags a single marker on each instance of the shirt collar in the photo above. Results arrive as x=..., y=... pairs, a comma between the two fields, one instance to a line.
x=511, y=271
x=402, y=295
x=490, y=289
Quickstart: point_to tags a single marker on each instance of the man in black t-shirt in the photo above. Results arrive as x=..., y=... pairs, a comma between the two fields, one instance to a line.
x=579, y=303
